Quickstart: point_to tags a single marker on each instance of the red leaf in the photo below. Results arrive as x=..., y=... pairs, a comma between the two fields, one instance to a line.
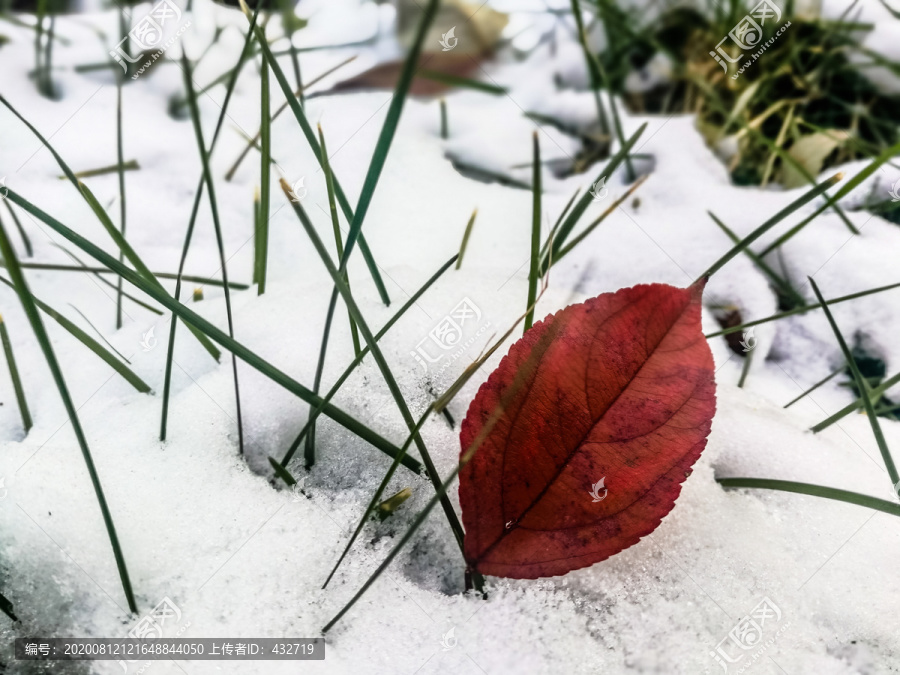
x=619, y=388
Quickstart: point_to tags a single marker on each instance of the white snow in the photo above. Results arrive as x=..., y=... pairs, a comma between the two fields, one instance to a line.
x=241, y=558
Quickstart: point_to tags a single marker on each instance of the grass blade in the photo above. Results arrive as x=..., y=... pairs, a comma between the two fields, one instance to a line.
x=349, y=370
x=300, y=116
x=813, y=490
x=14, y=376
x=379, y=359
x=251, y=143
x=535, y=232
x=7, y=608
x=40, y=332
x=575, y=214
x=265, y=182
x=211, y=194
x=465, y=239
x=846, y=189
x=195, y=209
x=770, y=223
x=815, y=386
x=801, y=310
x=120, y=159
x=190, y=317
x=88, y=342
x=785, y=289
x=29, y=251
x=864, y=390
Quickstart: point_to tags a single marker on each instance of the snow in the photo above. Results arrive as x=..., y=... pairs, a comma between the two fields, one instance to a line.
x=243, y=558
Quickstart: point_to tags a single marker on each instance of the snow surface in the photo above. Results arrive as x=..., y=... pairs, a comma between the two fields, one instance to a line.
x=241, y=558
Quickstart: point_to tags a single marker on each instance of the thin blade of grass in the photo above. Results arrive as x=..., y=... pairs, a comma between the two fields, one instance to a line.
x=864, y=390
x=815, y=386
x=783, y=286
x=265, y=183
x=846, y=189
x=89, y=342
x=461, y=82
x=234, y=285
x=386, y=373
x=465, y=239
x=29, y=251
x=535, y=232
x=770, y=223
x=251, y=143
x=195, y=209
x=120, y=159
x=567, y=225
x=603, y=216
x=305, y=127
x=813, y=490
x=101, y=214
x=800, y=310
x=349, y=370
x=522, y=377
x=40, y=332
x=189, y=316
x=220, y=245
x=14, y=376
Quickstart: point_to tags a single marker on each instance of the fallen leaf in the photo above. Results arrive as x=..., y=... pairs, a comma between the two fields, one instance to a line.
x=384, y=76
x=810, y=152
x=590, y=425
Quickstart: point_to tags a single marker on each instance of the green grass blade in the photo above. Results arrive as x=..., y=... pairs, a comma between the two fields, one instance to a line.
x=846, y=189
x=520, y=380
x=14, y=376
x=460, y=82
x=745, y=369
x=88, y=342
x=581, y=206
x=195, y=209
x=29, y=251
x=785, y=289
x=813, y=490
x=40, y=332
x=349, y=370
x=300, y=116
x=863, y=387
x=135, y=259
x=394, y=388
x=120, y=159
x=99, y=334
x=265, y=182
x=190, y=317
x=220, y=245
x=465, y=239
x=590, y=228
x=533, y=271
x=336, y=227
x=801, y=310
x=373, y=503
x=875, y=392
x=251, y=143
x=770, y=223
x=815, y=386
